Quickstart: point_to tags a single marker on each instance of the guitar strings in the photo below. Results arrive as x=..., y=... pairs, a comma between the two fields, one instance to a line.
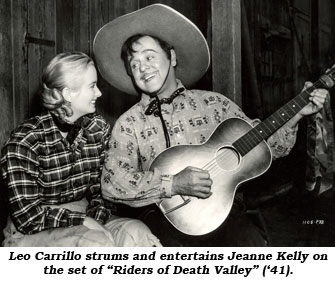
x=213, y=167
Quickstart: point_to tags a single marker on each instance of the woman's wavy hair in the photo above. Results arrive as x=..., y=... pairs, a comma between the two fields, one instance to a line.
x=60, y=73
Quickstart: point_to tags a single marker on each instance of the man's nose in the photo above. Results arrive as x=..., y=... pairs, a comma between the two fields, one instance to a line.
x=144, y=66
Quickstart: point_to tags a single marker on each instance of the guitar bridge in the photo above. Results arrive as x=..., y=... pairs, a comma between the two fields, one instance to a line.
x=180, y=201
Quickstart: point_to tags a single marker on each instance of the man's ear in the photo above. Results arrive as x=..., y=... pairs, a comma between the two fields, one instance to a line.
x=173, y=58
x=66, y=94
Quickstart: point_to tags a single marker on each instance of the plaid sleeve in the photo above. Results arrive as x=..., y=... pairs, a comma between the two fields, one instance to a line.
x=96, y=208
x=20, y=171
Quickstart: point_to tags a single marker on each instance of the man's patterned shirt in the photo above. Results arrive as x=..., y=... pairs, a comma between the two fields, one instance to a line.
x=138, y=138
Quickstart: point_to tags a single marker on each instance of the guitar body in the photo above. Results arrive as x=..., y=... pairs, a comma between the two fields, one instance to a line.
x=234, y=153
x=228, y=169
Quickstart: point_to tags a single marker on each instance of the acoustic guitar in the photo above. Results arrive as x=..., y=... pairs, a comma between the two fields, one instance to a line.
x=234, y=153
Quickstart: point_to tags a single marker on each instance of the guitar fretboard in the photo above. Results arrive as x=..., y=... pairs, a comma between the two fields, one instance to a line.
x=270, y=125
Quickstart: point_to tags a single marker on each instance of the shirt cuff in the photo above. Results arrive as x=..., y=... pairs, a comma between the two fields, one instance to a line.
x=291, y=130
x=99, y=213
x=167, y=181
x=75, y=218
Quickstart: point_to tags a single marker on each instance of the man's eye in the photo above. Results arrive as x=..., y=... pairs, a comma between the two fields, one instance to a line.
x=150, y=57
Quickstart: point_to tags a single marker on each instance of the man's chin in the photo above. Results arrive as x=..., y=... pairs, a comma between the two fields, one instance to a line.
x=151, y=88
x=151, y=91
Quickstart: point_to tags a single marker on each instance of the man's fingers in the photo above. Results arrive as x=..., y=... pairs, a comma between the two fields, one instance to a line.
x=307, y=85
x=203, y=195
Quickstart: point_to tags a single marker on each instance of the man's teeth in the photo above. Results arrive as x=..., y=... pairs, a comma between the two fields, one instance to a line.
x=148, y=77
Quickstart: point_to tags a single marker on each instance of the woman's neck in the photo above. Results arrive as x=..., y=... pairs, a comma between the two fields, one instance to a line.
x=64, y=134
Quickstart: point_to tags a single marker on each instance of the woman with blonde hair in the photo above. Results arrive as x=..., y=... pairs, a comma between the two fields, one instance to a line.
x=52, y=164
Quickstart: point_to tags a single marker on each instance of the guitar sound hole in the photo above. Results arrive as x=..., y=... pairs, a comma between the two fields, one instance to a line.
x=227, y=158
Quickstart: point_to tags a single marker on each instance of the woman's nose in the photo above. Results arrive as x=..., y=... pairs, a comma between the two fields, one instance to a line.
x=98, y=92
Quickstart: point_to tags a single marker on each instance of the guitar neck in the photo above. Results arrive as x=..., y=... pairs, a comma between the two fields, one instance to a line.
x=270, y=125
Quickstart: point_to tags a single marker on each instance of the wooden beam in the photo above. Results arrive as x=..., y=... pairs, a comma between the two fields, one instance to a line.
x=315, y=39
x=6, y=74
x=226, y=48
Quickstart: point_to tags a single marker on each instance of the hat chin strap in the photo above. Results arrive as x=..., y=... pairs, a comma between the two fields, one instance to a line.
x=166, y=133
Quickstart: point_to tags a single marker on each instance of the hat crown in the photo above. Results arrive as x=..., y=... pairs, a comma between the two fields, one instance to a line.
x=160, y=21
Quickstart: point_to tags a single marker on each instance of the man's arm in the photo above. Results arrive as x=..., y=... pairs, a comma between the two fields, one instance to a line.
x=123, y=180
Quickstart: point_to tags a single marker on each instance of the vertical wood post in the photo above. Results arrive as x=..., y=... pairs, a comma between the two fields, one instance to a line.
x=226, y=48
x=6, y=77
x=315, y=39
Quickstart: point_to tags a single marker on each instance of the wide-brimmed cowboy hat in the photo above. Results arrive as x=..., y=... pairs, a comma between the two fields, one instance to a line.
x=160, y=21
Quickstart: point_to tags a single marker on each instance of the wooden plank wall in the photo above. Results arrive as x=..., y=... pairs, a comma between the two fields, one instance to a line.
x=297, y=35
x=6, y=82
x=72, y=25
x=299, y=39
x=226, y=41
x=66, y=25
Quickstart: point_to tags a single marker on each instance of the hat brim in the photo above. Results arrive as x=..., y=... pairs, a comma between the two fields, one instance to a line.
x=160, y=21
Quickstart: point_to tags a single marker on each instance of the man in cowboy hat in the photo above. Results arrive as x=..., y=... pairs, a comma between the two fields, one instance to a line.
x=157, y=52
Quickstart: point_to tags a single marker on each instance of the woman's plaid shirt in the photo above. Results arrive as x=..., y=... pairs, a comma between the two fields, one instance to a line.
x=42, y=168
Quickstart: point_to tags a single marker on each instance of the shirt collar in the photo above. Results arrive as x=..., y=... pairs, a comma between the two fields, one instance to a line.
x=53, y=133
x=146, y=99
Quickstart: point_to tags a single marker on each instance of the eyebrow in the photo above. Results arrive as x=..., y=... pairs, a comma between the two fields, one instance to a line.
x=144, y=51
x=149, y=50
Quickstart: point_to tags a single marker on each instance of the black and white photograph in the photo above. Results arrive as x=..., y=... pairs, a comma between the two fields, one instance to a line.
x=186, y=124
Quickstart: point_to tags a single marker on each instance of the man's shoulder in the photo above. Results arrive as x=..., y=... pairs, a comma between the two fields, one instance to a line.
x=208, y=97
x=203, y=93
x=132, y=114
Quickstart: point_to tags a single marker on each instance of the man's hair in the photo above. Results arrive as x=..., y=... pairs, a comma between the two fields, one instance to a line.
x=128, y=50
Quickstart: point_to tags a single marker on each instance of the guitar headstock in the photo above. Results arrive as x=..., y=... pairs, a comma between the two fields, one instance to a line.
x=331, y=72
x=328, y=79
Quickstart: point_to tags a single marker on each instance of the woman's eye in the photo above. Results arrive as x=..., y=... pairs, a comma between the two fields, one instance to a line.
x=135, y=65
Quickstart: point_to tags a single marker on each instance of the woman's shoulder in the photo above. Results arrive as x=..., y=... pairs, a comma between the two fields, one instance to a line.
x=29, y=134
x=99, y=119
x=30, y=128
x=96, y=122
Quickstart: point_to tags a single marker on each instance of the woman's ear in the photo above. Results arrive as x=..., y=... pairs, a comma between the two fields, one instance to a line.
x=66, y=94
x=173, y=58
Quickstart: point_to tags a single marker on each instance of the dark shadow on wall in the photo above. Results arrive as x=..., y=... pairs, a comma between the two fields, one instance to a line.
x=4, y=207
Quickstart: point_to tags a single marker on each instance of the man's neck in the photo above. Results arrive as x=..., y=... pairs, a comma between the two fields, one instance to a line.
x=167, y=91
